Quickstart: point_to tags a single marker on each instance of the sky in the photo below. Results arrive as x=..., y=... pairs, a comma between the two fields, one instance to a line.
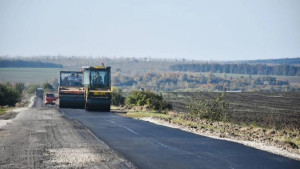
x=190, y=29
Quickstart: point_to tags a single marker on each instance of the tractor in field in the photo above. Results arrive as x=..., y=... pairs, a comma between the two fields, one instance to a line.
x=70, y=90
x=97, y=87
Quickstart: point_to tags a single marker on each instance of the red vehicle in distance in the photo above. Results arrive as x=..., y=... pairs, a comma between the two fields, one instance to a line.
x=50, y=99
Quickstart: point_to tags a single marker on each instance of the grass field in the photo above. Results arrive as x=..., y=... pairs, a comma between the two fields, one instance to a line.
x=28, y=75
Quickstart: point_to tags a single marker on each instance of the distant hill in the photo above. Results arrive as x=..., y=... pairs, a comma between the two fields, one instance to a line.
x=288, y=61
x=28, y=64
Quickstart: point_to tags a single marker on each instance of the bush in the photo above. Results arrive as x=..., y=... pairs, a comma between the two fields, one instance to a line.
x=147, y=98
x=212, y=109
x=9, y=95
x=117, y=98
x=47, y=86
x=31, y=88
x=20, y=87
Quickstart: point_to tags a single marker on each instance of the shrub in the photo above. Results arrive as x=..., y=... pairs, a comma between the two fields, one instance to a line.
x=117, y=98
x=47, y=86
x=9, y=95
x=214, y=109
x=31, y=88
x=147, y=98
x=20, y=87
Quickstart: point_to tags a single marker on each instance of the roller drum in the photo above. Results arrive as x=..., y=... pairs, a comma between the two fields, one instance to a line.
x=98, y=104
x=71, y=101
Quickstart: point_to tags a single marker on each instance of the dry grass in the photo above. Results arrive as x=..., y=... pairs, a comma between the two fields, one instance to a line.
x=142, y=114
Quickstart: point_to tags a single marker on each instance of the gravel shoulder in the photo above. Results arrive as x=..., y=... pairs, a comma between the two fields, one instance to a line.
x=42, y=137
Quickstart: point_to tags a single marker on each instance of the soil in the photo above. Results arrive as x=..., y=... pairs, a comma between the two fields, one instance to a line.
x=41, y=137
x=267, y=109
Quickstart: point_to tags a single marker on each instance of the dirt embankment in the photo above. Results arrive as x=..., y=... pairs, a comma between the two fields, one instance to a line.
x=41, y=137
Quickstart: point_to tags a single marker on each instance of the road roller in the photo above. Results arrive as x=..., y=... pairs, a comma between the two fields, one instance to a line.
x=70, y=90
x=97, y=87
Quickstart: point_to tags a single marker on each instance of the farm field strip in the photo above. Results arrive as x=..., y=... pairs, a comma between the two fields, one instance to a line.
x=281, y=109
x=28, y=75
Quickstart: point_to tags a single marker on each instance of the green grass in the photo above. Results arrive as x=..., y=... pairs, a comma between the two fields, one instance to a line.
x=289, y=140
x=28, y=75
x=3, y=110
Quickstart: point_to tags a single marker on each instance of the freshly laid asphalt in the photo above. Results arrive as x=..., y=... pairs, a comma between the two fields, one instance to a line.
x=149, y=145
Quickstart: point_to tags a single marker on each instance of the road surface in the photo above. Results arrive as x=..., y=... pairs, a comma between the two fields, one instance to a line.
x=149, y=145
x=42, y=137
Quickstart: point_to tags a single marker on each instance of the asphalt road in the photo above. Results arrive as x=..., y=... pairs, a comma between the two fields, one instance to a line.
x=149, y=145
x=40, y=137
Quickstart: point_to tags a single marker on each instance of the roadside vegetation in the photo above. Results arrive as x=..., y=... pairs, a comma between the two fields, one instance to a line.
x=212, y=115
x=31, y=88
x=215, y=109
x=147, y=99
x=10, y=94
x=117, y=97
x=3, y=109
x=47, y=87
x=16, y=94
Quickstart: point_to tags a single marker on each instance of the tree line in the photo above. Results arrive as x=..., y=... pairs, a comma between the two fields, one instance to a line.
x=256, y=69
x=28, y=64
x=290, y=61
x=206, y=82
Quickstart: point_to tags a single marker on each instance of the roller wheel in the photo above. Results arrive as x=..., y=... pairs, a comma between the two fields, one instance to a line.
x=60, y=104
x=108, y=109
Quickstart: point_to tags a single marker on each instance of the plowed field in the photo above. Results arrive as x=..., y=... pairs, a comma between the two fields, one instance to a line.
x=279, y=110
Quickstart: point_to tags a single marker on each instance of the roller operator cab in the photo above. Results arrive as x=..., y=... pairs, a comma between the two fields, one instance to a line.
x=97, y=86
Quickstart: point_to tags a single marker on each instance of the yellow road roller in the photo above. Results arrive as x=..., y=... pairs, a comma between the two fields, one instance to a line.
x=97, y=87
